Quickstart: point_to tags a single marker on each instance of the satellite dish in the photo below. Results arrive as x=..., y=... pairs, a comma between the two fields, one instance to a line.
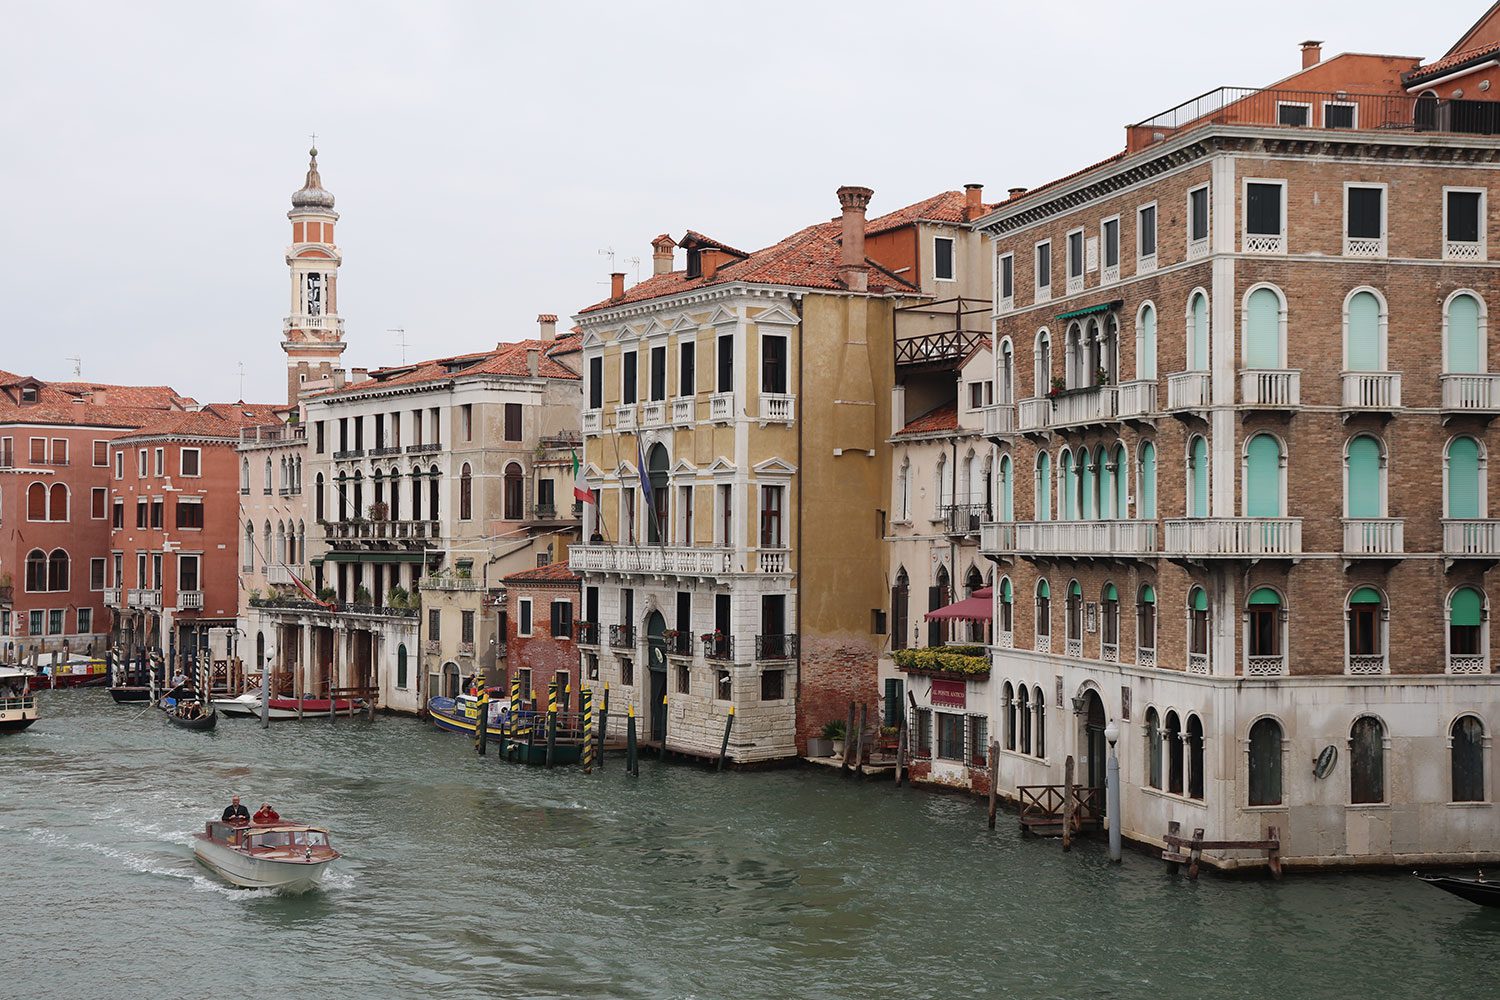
x=1324, y=762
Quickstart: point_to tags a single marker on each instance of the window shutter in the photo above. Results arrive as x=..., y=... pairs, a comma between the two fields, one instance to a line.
x=1362, y=490
x=1263, y=329
x=1463, y=478
x=1199, y=599
x=1364, y=212
x=1363, y=347
x=1464, y=353
x=1466, y=607
x=1198, y=346
x=1199, y=478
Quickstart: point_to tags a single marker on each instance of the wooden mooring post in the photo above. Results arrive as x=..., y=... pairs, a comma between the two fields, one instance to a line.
x=848, y=739
x=1196, y=844
x=632, y=760
x=603, y=725
x=859, y=739
x=1067, y=815
x=724, y=746
x=482, y=726
x=994, y=779
x=900, y=753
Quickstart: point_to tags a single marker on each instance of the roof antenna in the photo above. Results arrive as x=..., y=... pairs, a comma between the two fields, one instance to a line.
x=401, y=339
x=610, y=253
x=242, y=381
x=636, y=261
x=77, y=365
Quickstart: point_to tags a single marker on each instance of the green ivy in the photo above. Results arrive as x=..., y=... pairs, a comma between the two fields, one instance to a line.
x=970, y=660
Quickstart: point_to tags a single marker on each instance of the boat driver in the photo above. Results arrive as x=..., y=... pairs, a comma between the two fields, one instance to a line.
x=235, y=813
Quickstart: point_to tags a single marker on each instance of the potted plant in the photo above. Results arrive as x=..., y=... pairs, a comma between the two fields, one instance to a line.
x=362, y=595
x=833, y=732
x=378, y=511
x=328, y=595
x=1101, y=377
x=397, y=597
x=1058, y=385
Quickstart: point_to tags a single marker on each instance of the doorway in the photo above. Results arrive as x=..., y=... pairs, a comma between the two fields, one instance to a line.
x=1094, y=748
x=656, y=670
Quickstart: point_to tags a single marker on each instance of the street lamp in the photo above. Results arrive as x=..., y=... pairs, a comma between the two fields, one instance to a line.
x=1112, y=790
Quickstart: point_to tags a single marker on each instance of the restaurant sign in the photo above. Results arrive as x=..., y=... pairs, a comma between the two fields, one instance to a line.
x=949, y=694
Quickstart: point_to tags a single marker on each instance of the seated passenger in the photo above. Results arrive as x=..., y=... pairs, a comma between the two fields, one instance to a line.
x=265, y=814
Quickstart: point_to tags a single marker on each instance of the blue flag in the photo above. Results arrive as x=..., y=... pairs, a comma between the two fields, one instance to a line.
x=645, y=477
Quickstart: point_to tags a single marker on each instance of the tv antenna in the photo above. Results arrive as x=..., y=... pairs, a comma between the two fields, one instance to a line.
x=610, y=253
x=400, y=331
x=242, y=380
x=77, y=365
x=636, y=261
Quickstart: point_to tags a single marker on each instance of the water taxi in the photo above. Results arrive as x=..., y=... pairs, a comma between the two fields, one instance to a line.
x=282, y=854
x=286, y=708
x=17, y=705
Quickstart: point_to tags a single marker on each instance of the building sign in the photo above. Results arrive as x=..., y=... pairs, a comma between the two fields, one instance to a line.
x=949, y=694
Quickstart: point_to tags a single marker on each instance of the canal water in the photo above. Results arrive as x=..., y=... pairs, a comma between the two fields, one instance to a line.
x=468, y=878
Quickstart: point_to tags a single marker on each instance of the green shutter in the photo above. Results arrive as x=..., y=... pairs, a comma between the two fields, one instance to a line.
x=1086, y=486
x=1264, y=595
x=1365, y=595
x=1198, y=599
x=1043, y=589
x=1106, y=486
x=1198, y=346
x=1145, y=365
x=1122, y=482
x=1148, y=595
x=1464, y=353
x=1463, y=477
x=1198, y=479
x=1263, y=329
x=1363, y=347
x=1074, y=590
x=1145, y=507
x=1005, y=590
x=1263, y=477
x=1362, y=486
x=1068, y=499
x=1110, y=593
x=1466, y=608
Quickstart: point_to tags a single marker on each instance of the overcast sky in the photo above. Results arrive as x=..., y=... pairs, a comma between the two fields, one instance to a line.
x=482, y=154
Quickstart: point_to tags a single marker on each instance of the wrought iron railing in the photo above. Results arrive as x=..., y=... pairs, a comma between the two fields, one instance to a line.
x=622, y=636
x=776, y=647
x=718, y=647
x=587, y=633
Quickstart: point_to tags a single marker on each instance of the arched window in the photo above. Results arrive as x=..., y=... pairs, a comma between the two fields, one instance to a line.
x=938, y=595
x=1109, y=626
x=266, y=550
x=1364, y=479
x=1043, y=500
x=1073, y=619
x=1073, y=357
x=433, y=488
x=1464, y=486
x=943, y=494
x=57, y=570
x=1153, y=748
x=416, y=493
x=1468, y=646
x=36, y=502
x=249, y=561
x=1198, y=631
x=301, y=542
x=1023, y=695
x=244, y=475
x=1172, y=736
x=1043, y=616
x=57, y=503
x=1366, y=632
x=36, y=571
x=341, y=490
x=1145, y=342
x=1145, y=626
x=319, y=511
x=515, y=492
x=465, y=493
x=401, y=665
x=1007, y=621
x=1067, y=501
x=1263, y=633
x=1006, y=390
x=1145, y=497
x=1367, y=760
x=1195, y=757
x=1265, y=763
x=1263, y=477
x=1109, y=350
x=1039, y=704
x=1042, y=369
x=1104, y=462
x=1008, y=697
x=378, y=479
x=900, y=602
x=1466, y=742
x=658, y=529
x=1086, y=509
x=266, y=485
x=903, y=491
x=395, y=478
x=1122, y=482
x=1197, y=340
x=1464, y=333
x=1197, y=499
x=1007, y=491
x=280, y=543
x=1265, y=318
x=1364, y=332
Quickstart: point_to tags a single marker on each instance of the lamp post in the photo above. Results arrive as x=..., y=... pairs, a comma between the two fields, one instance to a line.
x=1112, y=790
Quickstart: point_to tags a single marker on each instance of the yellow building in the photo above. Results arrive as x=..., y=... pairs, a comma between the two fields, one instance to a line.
x=754, y=394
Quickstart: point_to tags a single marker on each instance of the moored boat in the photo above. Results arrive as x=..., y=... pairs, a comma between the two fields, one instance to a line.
x=17, y=703
x=1476, y=890
x=248, y=704
x=510, y=733
x=457, y=715
x=75, y=670
x=281, y=854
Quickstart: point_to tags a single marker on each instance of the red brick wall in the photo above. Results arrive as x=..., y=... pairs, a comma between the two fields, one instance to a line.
x=541, y=653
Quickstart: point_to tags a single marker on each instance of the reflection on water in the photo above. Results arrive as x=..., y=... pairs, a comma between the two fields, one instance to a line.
x=467, y=878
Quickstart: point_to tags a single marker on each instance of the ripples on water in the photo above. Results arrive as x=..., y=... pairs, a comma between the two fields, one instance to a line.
x=467, y=878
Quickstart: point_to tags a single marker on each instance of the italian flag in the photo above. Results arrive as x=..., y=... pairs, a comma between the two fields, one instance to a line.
x=580, y=488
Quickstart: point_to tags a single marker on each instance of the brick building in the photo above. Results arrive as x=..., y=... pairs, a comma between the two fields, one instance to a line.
x=1251, y=525
x=541, y=609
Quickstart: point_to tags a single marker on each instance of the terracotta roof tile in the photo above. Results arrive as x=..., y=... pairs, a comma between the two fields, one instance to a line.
x=946, y=207
x=558, y=572
x=1449, y=62
x=944, y=418
x=505, y=359
x=85, y=403
x=213, y=420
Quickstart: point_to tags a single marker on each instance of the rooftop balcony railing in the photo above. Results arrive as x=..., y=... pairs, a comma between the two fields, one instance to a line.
x=1234, y=537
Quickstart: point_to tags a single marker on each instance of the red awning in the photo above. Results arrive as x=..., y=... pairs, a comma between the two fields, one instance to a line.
x=978, y=608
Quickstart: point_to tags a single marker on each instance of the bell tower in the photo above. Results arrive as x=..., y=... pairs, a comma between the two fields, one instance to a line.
x=313, y=332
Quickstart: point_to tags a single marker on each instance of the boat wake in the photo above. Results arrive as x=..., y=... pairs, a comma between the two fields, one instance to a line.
x=148, y=865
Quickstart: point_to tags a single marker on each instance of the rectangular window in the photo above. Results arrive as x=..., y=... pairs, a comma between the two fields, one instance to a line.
x=189, y=514
x=1145, y=231
x=142, y=513
x=158, y=509
x=1463, y=217
x=160, y=465
x=1293, y=114
x=1337, y=114
x=979, y=740
x=942, y=258
x=1365, y=213
x=726, y=514
x=976, y=395
x=684, y=515
x=35, y=621
x=772, y=503
x=96, y=574
x=416, y=423
x=562, y=619
x=98, y=503
x=466, y=627
x=85, y=620
x=118, y=521
x=628, y=378
x=465, y=421
x=101, y=454
x=55, y=622
x=1008, y=276
x=1263, y=208
x=658, y=386
x=1198, y=214
x=434, y=624
x=922, y=732
x=141, y=463
x=773, y=364
x=596, y=383
x=1044, y=267
x=59, y=451
x=687, y=374
x=1109, y=236
x=512, y=421
x=772, y=685
x=38, y=451
x=1075, y=254
x=320, y=440
x=684, y=679
x=187, y=573
x=725, y=361
x=119, y=465
x=189, y=460
x=523, y=624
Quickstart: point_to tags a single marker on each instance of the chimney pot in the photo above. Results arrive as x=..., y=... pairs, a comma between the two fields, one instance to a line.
x=852, y=268
x=973, y=201
x=1312, y=53
x=1016, y=192
x=359, y=374
x=661, y=254
x=547, y=324
x=533, y=360
x=617, y=285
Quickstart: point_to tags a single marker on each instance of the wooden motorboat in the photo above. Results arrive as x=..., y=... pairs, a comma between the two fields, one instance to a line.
x=248, y=704
x=456, y=715
x=1475, y=890
x=281, y=854
x=190, y=715
x=17, y=703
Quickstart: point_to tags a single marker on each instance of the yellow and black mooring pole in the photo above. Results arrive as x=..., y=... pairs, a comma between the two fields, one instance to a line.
x=586, y=706
x=724, y=746
x=632, y=762
x=551, y=721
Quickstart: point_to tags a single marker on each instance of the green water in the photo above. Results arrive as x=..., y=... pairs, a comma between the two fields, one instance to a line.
x=468, y=878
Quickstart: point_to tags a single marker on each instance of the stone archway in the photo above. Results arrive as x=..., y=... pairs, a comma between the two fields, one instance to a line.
x=656, y=673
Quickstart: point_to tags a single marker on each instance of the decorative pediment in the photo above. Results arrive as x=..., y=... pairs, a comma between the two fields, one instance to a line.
x=723, y=317
x=684, y=324
x=777, y=315
x=627, y=333
x=721, y=467
x=625, y=471
x=684, y=467
x=592, y=471
x=775, y=467
x=592, y=340
x=654, y=329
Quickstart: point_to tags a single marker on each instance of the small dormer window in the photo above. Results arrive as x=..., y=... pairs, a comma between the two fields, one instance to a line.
x=694, y=263
x=29, y=394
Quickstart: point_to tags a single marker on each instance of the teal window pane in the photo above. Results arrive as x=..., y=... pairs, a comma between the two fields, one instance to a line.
x=1466, y=608
x=1198, y=479
x=1362, y=488
x=1364, y=333
x=1263, y=329
x=1198, y=341
x=1146, y=363
x=1146, y=505
x=1263, y=477
x=1464, y=354
x=1463, y=478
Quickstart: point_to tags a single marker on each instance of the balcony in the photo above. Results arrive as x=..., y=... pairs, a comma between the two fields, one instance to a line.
x=999, y=420
x=708, y=561
x=1461, y=663
x=1276, y=389
x=625, y=417
x=307, y=324
x=622, y=636
x=1361, y=664
x=1364, y=246
x=1372, y=391
x=1189, y=391
x=190, y=600
x=721, y=407
x=964, y=518
x=718, y=647
x=348, y=454
x=1197, y=663
x=1265, y=666
x=452, y=583
x=654, y=413
x=140, y=598
x=1471, y=393
x=772, y=561
x=1267, y=243
x=678, y=642
x=466, y=649
x=777, y=408
x=1477, y=538
x=278, y=574
x=1135, y=399
x=1084, y=539
x=776, y=647
x=422, y=449
x=684, y=411
x=385, y=451
x=586, y=633
x=546, y=512
x=593, y=421
x=1234, y=537
x=382, y=534
x=998, y=538
x=111, y=597
x=1374, y=537
x=1069, y=408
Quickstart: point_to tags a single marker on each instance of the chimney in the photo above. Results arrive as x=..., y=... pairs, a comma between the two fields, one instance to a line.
x=359, y=375
x=973, y=201
x=617, y=285
x=99, y=396
x=1015, y=192
x=661, y=254
x=1312, y=54
x=533, y=360
x=547, y=322
x=710, y=260
x=853, y=271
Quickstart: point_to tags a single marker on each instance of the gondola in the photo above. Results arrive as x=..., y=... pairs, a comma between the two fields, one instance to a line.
x=130, y=695
x=1475, y=890
x=200, y=723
